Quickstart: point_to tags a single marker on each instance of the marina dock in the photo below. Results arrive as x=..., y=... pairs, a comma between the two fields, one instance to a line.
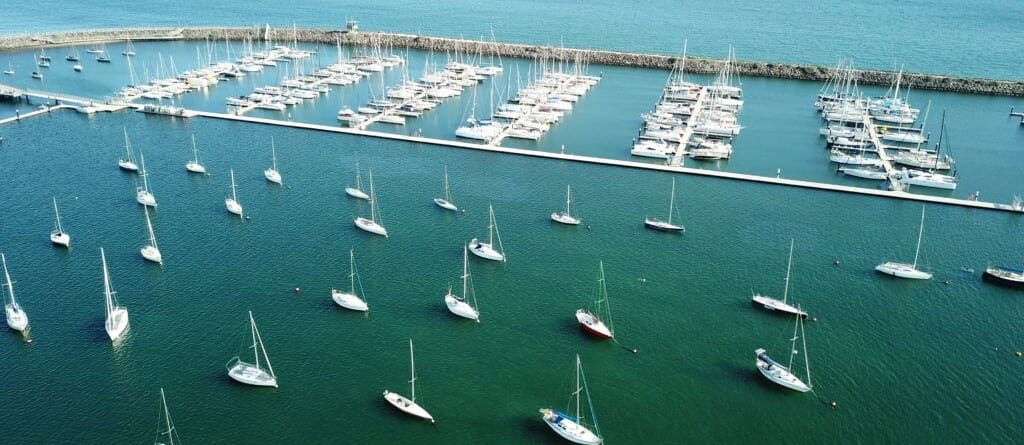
x=622, y=163
x=890, y=170
x=677, y=159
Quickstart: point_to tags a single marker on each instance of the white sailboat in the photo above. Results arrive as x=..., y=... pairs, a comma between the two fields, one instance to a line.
x=446, y=202
x=117, y=316
x=129, y=51
x=350, y=299
x=566, y=217
x=591, y=321
x=904, y=270
x=128, y=163
x=194, y=166
x=460, y=305
x=232, y=202
x=570, y=427
x=151, y=252
x=666, y=226
x=249, y=373
x=773, y=304
x=142, y=194
x=409, y=405
x=271, y=173
x=372, y=225
x=167, y=429
x=783, y=375
x=58, y=236
x=487, y=250
x=357, y=191
x=16, y=317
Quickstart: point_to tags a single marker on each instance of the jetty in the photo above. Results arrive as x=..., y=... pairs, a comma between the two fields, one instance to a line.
x=694, y=65
x=1017, y=114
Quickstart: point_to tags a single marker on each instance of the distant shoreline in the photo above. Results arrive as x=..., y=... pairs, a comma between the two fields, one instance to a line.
x=695, y=65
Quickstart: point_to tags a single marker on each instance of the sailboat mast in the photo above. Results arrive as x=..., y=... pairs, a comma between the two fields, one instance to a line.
x=149, y=226
x=793, y=346
x=604, y=297
x=60, y=229
x=373, y=200
x=234, y=196
x=568, y=198
x=167, y=416
x=7, y=276
x=273, y=153
x=577, y=387
x=920, y=233
x=359, y=181
x=252, y=329
x=807, y=359
x=107, y=292
x=352, y=270
x=127, y=144
x=447, y=192
x=195, y=153
x=672, y=201
x=789, y=265
x=412, y=366
x=465, y=270
x=490, y=225
x=145, y=176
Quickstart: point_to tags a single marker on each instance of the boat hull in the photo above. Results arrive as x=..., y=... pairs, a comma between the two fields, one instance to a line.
x=16, y=318
x=407, y=406
x=663, y=226
x=568, y=428
x=778, y=374
x=772, y=304
x=127, y=166
x=444, y=204
x=902, y=270
x=193, y=167
x=145, y=198
x=233, y=206
x=349, y=301
x=272, y=176
x=356, y=193
x=248, y=374
x=371, y=226
x=459, y=307
x=60, y=239
x=151, y=253
x=117, y=323
x=593, y=325
x=563, y=218
x=485, y=251
x=1004, y=276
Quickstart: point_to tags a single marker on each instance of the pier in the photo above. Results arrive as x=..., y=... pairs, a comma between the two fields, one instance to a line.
x=626, y=164
x=36, y=112
x=890, y=170
x=677, y=158
x=1019, y=114
x=695, y=65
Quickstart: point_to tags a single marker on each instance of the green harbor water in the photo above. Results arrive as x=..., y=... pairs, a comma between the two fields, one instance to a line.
x=907, y=362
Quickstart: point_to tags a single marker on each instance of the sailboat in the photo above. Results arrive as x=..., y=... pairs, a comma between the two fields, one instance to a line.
x=357, y=191
x=783, y=375
x=73, y=56
x=460, y=305
x=904, y=270
x=409, y=405
x=194, y=166
x=170, y=431
x=128, y=163
x=150, y=251
x=10, y=69
x=271, y=173
x=487, y=250
x=117, y=316
x=16, y=317
x=232, y=202
x=102, y=56
x=43, y=56
x=446, y=202
x=253, y=374
x=592, y=322
x=58, y=236
x=566, y=217
x=129, y=49
x=666, y=226
x=350, y=300
x=570, y=427
x=372, y=225
x=773, y=304
x=142, y=194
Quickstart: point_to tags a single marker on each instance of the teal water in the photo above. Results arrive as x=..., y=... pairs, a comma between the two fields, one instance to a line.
x=906, y=362
x=979, y=38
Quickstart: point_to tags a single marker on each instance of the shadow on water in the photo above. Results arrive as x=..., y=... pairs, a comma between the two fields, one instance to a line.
x=538, y=431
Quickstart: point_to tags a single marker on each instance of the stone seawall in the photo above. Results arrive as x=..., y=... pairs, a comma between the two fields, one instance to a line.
x=440, y=44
